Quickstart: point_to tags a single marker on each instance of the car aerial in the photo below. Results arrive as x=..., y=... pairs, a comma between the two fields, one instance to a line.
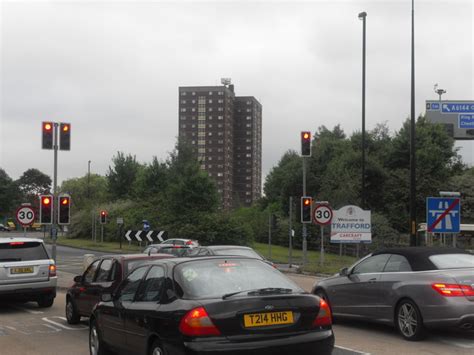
x=27, y=273
x=102, y=275
x=411, y=288
x=176, y=241
x=4, y=228
x=176, y=250
x=236, y=250
x=210, y=305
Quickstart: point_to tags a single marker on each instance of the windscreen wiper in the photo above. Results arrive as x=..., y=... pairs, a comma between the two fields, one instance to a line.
x=260, y=291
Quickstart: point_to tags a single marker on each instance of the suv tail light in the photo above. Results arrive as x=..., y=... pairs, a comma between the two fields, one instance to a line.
x=196, y=323
x=453, y=290
x=52, y=270
x=324, y=317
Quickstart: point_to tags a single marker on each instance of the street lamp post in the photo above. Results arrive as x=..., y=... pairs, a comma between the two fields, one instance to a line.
x=363, y=16
x=413, y=239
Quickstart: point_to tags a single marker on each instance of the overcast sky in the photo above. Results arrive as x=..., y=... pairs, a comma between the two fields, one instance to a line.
x=112, y=69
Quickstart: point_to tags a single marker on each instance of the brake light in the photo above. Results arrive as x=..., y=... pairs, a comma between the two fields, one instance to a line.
x=196, y=323
x=52, y=270
x=324, y=317
x=16, y=243
x=453, y=290
x=189, y=242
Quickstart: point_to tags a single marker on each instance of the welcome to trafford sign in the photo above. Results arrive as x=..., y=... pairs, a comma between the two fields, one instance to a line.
x=351, y=224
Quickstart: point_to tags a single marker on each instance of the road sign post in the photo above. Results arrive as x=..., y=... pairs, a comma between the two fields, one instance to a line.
x=322, y=215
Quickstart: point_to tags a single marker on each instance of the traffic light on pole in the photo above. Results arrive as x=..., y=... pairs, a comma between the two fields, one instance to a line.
x=64, y=209
x=47, y=135
x=306, y=205
x=46, y=209
x=64, y=136
x=305, y=144
x=103, y=217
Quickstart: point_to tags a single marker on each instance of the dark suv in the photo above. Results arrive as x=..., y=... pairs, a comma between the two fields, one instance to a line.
x=102, y=275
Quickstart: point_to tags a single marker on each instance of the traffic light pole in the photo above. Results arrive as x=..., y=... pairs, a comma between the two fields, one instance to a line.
x=305, y=244
x=54, y=227
x=290, y=233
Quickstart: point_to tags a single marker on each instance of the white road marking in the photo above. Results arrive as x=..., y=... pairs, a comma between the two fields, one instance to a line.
x=352, y=350
x=46, y=319
x=22, y=308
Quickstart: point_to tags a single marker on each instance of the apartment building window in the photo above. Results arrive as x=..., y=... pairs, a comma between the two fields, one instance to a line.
x=248, y=155
x=249, y=102
x=220, y=133
x=210, y=101
x=193, y=142
x=248, y=147
x=210, y=92
x=220, y=117
x=220, y=174
x=183, y=109
x=249, y=110
x=183, y=93
x=182, y=118
x=248, y=125
x=221, y=101
x=183, y=101
x=220, y=109
x=220, y=93
x=210, y=133
x=193, y=109
x=219, y=125
x=193, y=93
x=183, y=126
x=193, y=101
x=220, y=150
x=210, y=109
x=209, y=150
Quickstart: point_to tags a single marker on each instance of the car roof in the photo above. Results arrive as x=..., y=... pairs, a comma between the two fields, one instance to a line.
x=227, y=247
x=136, y=256
x=418, y=257
x=181, y=260
x=19, y=239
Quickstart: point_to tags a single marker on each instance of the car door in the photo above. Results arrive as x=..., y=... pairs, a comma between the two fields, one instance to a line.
x=81, y=295
x=139, y=316
x=396, y=270
x=113, y=313
x=101, y=282
x=359, y=294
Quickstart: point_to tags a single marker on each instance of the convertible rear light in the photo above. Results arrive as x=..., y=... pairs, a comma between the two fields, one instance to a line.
x=52, y=270
x=453, y=290
x=196, y=323
x=324, y=317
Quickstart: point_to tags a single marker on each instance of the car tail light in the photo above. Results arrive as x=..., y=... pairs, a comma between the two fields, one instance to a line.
x=453, y=290
x=52, y=270
x=189, y=242
x=324, y=317
x=196, y=323
x=17, y=243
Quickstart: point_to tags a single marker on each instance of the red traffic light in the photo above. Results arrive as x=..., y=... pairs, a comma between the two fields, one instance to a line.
x=306, y=135
x=306, y=201
x=47, y=126
x=45, y=201
x=103, y=213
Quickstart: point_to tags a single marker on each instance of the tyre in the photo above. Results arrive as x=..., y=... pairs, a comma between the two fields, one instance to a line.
x=45, y=301
x=408, y=321
x=72, y=316
x=157, y=349
x=96, y=345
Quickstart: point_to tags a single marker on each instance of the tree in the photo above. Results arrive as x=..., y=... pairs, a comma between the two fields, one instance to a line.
x=86, y=191
x=151, y=181
x=32, y=184
x=121, y=177
x=9, y=194
x=463, y=183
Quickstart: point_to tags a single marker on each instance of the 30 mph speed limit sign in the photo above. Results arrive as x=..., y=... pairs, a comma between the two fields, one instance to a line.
x=322, y=214
x=25, y=215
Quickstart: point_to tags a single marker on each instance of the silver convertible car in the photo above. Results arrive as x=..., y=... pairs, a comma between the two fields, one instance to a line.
x=412, y=288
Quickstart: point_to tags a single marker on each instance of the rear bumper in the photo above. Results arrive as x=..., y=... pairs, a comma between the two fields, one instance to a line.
x=30, y=290
x=308, y=343
x=455, y=313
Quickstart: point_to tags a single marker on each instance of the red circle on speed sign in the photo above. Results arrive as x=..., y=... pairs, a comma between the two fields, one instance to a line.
x=322, y=214
x=25, y=215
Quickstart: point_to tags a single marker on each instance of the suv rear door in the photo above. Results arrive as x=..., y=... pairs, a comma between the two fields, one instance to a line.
x=23, y=262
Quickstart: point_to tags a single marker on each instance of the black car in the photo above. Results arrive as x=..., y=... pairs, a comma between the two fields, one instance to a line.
x=102, y=275
x=212, y=305
x=222, y=250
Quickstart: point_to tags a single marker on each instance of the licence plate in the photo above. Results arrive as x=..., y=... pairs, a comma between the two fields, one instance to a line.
x=265, y=319
x=21, y=270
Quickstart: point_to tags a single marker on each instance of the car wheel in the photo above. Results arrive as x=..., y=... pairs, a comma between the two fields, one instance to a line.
x=72, y=316
x=45, y=301
x=409, y=321
x=96, y=345
x=157, y=349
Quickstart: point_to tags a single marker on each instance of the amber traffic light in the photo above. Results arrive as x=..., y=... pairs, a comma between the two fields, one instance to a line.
x=64, y=209
x=65, y=136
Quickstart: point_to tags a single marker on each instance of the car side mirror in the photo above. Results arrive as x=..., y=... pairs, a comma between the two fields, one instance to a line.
x=78, y=279
x=344, y=272
x=106, y=297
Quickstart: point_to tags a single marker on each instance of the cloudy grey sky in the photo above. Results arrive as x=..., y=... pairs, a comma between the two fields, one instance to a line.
x=113, y=69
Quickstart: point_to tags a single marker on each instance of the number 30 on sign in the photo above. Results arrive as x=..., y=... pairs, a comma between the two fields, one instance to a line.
x=322, y=214
x=25, y=215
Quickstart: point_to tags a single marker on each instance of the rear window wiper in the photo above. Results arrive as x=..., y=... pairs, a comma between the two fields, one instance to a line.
x=260, y=291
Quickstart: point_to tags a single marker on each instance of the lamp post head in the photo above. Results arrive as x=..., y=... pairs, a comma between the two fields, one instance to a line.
x=362, y=15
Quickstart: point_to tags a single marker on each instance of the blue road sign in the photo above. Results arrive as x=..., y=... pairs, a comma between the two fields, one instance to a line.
x=432, y=106
x=466, y=121
x=458, y=107
x=443, y=214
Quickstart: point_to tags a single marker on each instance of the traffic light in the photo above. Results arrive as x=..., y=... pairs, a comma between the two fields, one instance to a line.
x=47, y=134
x=65, y=136
x=306, y=205
x=275, y=221
x=46, y=209
x=103, y=217
x=64, y=209
x=305, y=144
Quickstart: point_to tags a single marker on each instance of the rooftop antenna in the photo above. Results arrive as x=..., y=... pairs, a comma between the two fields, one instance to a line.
x=440, y=92
x=226, y=81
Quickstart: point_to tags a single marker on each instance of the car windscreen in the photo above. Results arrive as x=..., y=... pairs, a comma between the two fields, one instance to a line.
x=213, y=278
x=452, y=261
x=133, y=263
x=173, y=251
x=22, y=251
x=238, y=252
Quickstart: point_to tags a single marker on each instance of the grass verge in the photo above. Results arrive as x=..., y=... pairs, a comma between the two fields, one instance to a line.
x=332, y=262
x=106, y=247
